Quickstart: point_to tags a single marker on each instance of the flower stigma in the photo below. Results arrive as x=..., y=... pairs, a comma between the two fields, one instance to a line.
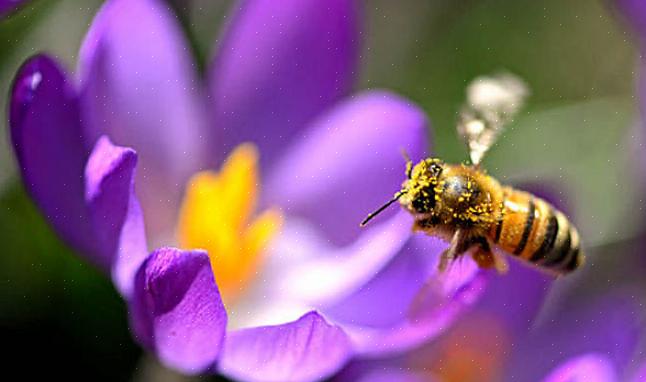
x=218, y=215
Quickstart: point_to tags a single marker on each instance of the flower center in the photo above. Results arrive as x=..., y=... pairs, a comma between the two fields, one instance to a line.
x=217, y=215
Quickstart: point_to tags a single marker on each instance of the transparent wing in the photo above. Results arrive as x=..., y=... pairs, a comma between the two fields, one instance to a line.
x=492, y=102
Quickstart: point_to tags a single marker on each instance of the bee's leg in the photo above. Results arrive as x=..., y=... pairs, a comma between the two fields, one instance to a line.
x=486, y=258
x=500, y=263
x=457, y=247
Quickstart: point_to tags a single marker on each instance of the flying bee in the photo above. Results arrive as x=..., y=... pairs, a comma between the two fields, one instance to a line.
x=471, y=210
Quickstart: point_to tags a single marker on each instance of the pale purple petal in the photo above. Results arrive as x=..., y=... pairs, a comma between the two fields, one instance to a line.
x=304, y=271
x=304, y=350
x=277, y=67
x=414, y=262
x=140, y=87
x=306, y=268
x=584, y=368
x=177, y=311
x=50, y=148
x=380, y=317
x=350, y=284
x=115, y=212
x=349, y=162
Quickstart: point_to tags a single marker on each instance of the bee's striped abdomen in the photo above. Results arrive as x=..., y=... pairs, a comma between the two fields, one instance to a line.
x=530, y=228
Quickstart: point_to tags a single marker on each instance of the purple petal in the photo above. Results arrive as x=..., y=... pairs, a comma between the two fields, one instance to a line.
x=48, y=142
x=280, y=66
x=378, y=316
x=307, y=268
x=139, y=87
x=8, y=6
x=348, y=163
x=177, y=311
x=609, y=327
x=115, y=212
x=585, y=368
x=640, y=375
x=515, y=299
x=304, y=271
x=303, y=350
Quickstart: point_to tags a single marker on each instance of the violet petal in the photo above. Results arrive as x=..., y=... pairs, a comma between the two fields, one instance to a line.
x=515, y=298
x=640, y=374
x=278, y=67
x=348, y=163
x=303, y=350
x=308, y=269
x=380, y=317
x=115, y=212
x=177, y=311
x=49, y=145
x=139, y=86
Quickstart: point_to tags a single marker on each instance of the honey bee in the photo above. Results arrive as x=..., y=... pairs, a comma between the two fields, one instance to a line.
x=471, y=210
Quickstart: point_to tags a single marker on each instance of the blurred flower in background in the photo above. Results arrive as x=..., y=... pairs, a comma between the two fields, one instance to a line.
x=264, y=159
x=502, y=339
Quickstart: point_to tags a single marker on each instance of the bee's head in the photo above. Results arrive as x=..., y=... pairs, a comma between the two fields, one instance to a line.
x=418, y=193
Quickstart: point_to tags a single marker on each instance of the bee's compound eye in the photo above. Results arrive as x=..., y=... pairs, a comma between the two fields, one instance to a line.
x=435, y=169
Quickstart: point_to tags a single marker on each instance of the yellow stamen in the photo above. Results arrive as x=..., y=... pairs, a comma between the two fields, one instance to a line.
x=216, y=215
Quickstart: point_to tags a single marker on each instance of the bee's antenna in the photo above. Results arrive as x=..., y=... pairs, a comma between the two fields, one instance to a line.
x=380, y=209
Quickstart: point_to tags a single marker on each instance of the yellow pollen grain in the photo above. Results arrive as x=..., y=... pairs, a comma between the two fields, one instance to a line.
x=217, y=215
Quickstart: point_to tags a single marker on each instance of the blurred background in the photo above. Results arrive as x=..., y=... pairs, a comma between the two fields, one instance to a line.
x=579, y=137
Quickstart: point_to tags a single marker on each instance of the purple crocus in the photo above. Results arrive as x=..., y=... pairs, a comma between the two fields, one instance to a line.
x=305, y=290
x=503, y=339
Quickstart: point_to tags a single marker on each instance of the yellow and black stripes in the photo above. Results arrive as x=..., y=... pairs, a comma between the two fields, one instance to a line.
x=529, y=224
x=533, y=230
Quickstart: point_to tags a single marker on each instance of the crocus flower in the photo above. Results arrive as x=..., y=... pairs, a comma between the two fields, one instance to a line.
x=304, y=289
x=501, y=339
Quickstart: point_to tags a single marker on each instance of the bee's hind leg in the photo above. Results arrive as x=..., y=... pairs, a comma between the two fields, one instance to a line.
x=486, y=258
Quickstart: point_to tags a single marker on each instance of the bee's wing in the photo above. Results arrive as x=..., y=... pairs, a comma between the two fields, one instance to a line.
x=492, y=102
